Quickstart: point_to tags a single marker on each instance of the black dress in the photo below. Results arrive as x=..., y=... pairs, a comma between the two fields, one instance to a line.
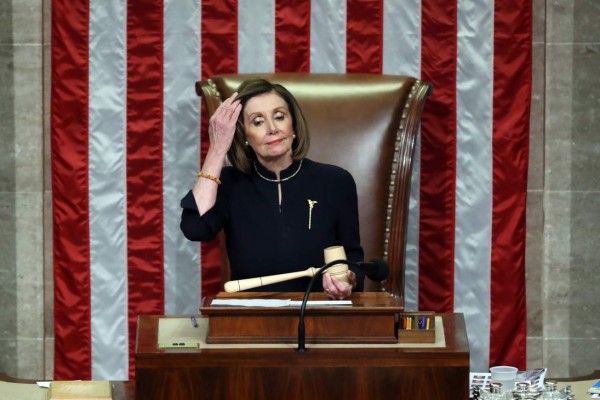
x=265, y=238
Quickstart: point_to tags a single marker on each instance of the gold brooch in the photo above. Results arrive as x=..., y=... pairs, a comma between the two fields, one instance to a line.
x=311, y=204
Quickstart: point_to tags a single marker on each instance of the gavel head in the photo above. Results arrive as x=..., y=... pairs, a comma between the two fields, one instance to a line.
x=338, y=270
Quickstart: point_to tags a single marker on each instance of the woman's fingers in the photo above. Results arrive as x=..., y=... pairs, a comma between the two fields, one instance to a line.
x=351, y=278
x=228, y=101
x=236, y=109
x=231, y=107
x=335, y=288
x=223, y=121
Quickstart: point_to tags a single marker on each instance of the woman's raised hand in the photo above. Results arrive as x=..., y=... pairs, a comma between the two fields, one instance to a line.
x=221, y=126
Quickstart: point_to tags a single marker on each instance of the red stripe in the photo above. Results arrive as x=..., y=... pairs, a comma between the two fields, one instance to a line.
x=144, y=162
x=438, y=157
x=364, y=36
x=219, y=37
x=219, y=33
x=512, y=101
x=292, y=36
x=69, y=111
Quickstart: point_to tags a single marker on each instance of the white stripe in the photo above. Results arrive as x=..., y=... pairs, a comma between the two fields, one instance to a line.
x=328, y=36
x=181, y=155
x=402, y=56
x=107, y=190
x=411, y=256
x=402, y=37
x=256, y=36
x=474, y=174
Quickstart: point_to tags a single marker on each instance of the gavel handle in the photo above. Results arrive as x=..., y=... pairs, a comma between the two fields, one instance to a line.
x=251, y=283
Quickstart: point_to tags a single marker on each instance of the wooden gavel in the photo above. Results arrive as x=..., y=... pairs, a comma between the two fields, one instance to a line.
x=331, y=254
x=338, y=270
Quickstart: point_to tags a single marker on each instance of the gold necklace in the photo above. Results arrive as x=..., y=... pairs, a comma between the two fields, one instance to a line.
x=277, y=180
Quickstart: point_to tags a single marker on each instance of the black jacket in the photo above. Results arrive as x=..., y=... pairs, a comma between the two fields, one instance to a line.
x=264, y=238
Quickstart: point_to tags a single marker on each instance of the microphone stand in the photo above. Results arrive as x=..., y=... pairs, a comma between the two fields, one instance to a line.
x=301, y=334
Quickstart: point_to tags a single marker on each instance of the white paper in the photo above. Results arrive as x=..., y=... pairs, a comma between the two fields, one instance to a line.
x=44, y=384
x=251, y=302
x=276, y=303
x=322, y=303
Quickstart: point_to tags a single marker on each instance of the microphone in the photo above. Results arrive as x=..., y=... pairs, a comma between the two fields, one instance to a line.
x=319, y=272
x=376, y=270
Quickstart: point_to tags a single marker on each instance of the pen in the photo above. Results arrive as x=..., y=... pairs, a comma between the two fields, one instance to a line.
x=194, y=322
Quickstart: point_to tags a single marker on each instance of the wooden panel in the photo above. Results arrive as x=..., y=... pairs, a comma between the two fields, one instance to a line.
x=259, y=373
x=370, y=319
x=291, y=382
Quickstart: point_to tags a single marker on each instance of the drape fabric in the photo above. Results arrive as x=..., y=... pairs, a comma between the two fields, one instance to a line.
x=128, y=134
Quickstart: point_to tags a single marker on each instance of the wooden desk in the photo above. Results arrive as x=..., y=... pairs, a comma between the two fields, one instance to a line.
x=26, y=389
x=320, y=373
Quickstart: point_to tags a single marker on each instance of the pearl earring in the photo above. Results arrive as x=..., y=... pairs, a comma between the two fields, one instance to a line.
x=246, y=143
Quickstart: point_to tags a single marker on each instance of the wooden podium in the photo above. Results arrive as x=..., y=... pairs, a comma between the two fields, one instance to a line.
x=370, y=319
x=325, y=371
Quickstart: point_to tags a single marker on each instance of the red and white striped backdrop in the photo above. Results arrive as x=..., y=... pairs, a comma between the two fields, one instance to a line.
x=127, y=140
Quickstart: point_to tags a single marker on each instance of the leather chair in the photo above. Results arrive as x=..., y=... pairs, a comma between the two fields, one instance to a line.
x=366, y=124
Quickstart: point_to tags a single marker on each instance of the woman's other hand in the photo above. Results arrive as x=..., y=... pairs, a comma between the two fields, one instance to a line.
x=336, y=289
x=221, y=126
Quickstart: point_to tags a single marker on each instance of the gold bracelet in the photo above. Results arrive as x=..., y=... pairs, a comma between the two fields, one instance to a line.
x=207, y=176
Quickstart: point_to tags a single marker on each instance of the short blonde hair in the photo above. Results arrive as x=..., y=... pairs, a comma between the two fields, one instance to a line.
x=241, y=155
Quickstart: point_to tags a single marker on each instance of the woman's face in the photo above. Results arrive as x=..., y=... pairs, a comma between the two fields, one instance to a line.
x=269, y=129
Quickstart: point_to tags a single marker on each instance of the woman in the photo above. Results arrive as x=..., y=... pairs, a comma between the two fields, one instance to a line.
x=279, y=209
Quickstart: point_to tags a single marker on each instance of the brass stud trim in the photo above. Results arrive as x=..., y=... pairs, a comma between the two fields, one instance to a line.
x=395, y=165
x=214, y=87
